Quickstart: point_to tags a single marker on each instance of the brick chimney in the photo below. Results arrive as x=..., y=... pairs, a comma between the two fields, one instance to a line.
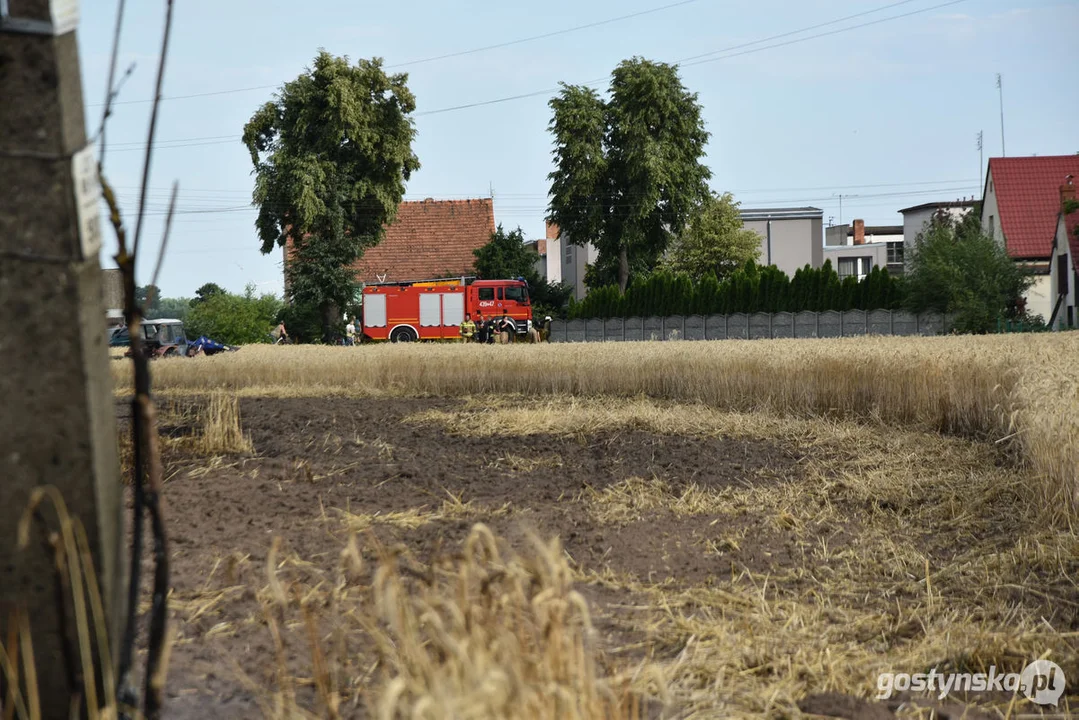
x=553, y=231
x=1067, y=190
x=859, y=232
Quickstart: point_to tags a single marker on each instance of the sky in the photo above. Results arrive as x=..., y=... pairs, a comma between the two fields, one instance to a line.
x=806, y=109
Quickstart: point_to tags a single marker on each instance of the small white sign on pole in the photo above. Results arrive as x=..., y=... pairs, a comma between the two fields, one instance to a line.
x=65, y=15
x=87, y=194
x=63, y=18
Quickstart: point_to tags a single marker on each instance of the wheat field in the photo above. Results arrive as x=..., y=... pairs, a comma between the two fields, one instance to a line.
x=1020, y=392
x=932, y=525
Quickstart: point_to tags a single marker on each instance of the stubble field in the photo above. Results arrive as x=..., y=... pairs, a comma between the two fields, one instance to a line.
x=725, y=529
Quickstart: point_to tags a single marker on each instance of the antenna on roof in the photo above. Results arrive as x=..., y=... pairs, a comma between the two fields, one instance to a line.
x=981, y=161
x=1000, y=89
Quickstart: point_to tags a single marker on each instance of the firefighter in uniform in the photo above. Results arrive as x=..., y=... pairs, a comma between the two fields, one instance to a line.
x=481, y=334
x=505, y=329
x=545, y=332
x=489, y=330
x=468, y=329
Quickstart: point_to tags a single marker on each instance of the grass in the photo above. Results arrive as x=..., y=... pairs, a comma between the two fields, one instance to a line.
x=1019, y=391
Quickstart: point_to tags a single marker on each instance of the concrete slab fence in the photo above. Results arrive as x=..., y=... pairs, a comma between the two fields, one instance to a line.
x=753, y=326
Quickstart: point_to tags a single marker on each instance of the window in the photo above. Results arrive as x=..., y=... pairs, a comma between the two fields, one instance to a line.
x=518, y=293
x=569, y=253
x=858, y=267
x=895, y=252
x=991, y=226
x=499, y=293
x=487, y=293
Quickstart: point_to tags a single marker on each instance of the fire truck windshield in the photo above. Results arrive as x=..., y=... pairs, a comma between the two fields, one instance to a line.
x=518, y=293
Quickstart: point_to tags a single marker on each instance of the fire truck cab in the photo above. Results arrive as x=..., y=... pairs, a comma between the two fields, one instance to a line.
x=435, y=309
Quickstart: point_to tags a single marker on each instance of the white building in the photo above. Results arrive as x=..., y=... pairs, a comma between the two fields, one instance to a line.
x=568, y=262
x=915, y=219
x=791, y=238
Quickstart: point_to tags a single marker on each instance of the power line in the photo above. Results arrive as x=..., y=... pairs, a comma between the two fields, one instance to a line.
x=796, y=32
x=162, y=208
x=545, y=35
x=689, y=62
x=166, y=146
x=685, y=62
x=452, y=196
x=825, y=34
x=447, y=56
x=140, y=144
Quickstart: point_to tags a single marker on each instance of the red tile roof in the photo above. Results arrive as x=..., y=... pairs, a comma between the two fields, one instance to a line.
x=430, y=239
x=1028, y=200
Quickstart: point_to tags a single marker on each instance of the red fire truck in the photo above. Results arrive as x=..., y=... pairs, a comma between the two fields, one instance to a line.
x=435, y=309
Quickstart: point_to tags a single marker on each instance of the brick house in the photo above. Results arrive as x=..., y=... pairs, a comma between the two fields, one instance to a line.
x=428, y=239
x=1021, y=209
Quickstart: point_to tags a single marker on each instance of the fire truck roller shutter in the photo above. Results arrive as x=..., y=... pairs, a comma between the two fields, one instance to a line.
x=453, y=309
x=430, y=309
x=374, y=310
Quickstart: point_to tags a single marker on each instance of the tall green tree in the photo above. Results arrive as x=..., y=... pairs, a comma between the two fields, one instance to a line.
x=714, y=241
x=956, y=268
x=331, y=155
x=628, y=169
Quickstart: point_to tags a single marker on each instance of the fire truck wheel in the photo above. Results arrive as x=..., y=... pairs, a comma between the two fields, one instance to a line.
x=403, y=334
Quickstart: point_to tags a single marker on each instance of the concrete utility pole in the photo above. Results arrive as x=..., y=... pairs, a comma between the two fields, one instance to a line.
x=57, y=424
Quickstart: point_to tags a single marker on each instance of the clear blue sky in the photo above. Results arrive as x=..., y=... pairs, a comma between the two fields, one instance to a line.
x=885, y=115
